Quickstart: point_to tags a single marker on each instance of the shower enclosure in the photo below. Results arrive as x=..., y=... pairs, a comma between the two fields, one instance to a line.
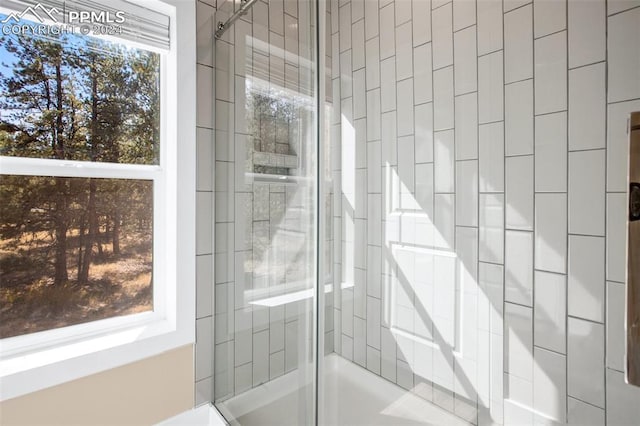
x=400, y=234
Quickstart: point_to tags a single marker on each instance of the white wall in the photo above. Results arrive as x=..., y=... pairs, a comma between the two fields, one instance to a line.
x=480, y=200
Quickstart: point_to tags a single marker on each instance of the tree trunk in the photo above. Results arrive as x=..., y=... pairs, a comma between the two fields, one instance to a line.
x=60, y=215
x=83, y=275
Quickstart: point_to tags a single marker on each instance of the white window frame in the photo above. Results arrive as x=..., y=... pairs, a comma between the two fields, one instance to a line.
x=40, y=360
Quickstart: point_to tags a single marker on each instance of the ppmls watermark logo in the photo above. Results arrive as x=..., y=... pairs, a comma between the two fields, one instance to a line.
x=40, y=20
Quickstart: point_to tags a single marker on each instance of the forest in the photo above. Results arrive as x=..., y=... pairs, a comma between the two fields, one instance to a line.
x=75, y=249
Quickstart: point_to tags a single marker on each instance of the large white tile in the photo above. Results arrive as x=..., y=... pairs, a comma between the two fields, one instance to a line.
x=518, y=44
x=205, y=97
x=357, y=10
x=519, y=193
x=514, y=4
x=466, y=121
x=491, y=228
x=388, y=85
x=205, y=27
x=443, y=105
x=549, y=385
x=624, y=55
x=491, y=301
x=387, y=32
x=518, y=329
x=586, y=277
x=442, y=32
x=403, y=11
x=551, y=73
x=582, y=414
x=587, y=32
x=388, y=355
x=617, y=144
x=358, y=46
x=371, y=12
x=519, y=118
x=359, y=95
x=489, y=26
x=444, y=211
x=465, y=59
x=404, y=51
x=490, y=88
x=491, y=157
x=551, y=232
x=388, y=134
x=205, y=160
x=518, y=401
x=615, y=322
x=360, y=341
x=422, y=15
x=467, y=192
x=406, y=165
x=373, y=115
x=616, y=237
x=423, y=117
x=405, y=107
x=551, y=152
x=422, y=78
x=518, y=264
x=345, y=27
x=372, y=69
x=549, y=16
x=204, y=221
x=204, y=286
x=424, y=190
x=550, y=311
x=374, y=164
x=587, y=192
x=585, y=356
x=374, y=227
x=260, y=357
x=204, y=348
x=615, y=6
x=622, y=400
x=444, y=161
x=346, y=80
x=587, y=107
x=464, y=14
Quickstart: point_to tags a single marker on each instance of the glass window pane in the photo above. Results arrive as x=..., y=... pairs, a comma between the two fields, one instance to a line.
x=76, y=97
x=73, y=250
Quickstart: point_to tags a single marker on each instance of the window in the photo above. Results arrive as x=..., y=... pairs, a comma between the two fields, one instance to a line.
x=91, y=239
x=79, y=248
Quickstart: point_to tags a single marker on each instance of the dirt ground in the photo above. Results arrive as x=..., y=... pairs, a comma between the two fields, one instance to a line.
x=30, y=302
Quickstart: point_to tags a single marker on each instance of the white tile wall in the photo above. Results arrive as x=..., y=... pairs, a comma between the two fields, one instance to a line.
x=479, y=123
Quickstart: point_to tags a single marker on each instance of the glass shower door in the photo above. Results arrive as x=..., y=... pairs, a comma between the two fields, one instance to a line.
x=266, y=214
